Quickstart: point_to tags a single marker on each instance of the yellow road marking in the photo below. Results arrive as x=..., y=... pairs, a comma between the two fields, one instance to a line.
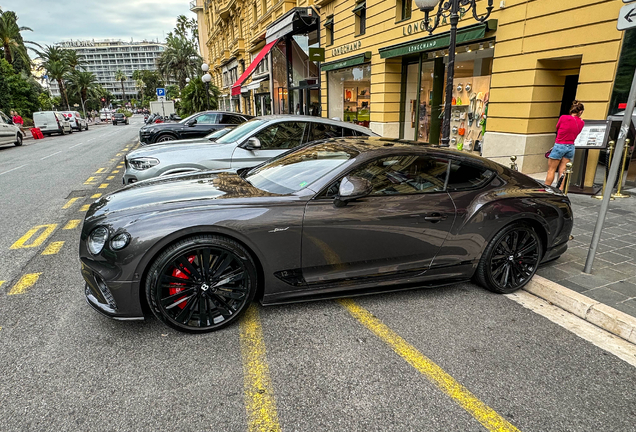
x=53, y=248
x=1, y=282
x=85, y=207
x=259, y=394
x=118, y=154
x=126, y=149
x=114, y=171
x=101, y=170
x=446, y=383
x=72, y=224
x=95, y=196
x=69, y=203
x=25, y=282
x=103, y=186
x=90, y=180
x=21, y=243
x=110, y=177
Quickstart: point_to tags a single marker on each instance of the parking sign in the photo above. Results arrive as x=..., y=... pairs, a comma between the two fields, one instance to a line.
x=161, y=92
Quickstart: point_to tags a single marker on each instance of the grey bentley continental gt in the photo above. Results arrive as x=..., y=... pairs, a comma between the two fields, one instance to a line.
x=338, y=217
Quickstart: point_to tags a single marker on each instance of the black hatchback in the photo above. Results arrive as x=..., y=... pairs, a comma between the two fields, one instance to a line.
x=196, y=126
x=120, y=118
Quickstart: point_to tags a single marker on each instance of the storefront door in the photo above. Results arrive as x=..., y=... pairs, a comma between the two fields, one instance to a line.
x=262, y=104
x=306, y=101
x=410, y=101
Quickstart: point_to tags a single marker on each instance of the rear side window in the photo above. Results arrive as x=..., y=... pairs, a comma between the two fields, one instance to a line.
x=323, y=131
x=230, y=119
x=465, y=176
x=349, y=132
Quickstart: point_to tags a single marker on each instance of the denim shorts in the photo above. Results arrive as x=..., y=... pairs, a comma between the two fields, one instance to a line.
x=560, y=151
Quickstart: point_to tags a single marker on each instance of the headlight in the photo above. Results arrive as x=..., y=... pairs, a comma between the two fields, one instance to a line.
x=143, y=163
x=97, y=240
x=120, y=241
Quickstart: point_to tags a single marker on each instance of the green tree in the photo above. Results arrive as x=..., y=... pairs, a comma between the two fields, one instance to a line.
x=82, y=84
x=172, y=92
x=120, y=76
x=45, y=102
x=58, y=70
x=137, y=76
x=152, y=80
x=73, y=59
x=193, y=97
x=13, y=46
x=180, y=60
x=18, y=91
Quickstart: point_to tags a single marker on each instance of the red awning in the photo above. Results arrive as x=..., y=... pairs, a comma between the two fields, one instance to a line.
x=236, y=87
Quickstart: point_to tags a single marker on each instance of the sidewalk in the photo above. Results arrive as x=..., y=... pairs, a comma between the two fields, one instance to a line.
x=613, y=277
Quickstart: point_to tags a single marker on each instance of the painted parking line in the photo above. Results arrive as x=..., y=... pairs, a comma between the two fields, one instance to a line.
x=101, y=170
x=95, y=196
x=53, y=248
x=70, y=203
x=25, y=282
x=47, y=230
x=110, y=177
x=490, y=419
x=90, y=180
x=1, y=282
x=85, y=207
x=114, y=171
x=72, y=224
x=259, y=393
x=103, y=186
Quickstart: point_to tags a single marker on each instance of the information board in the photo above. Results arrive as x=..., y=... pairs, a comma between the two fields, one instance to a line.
x=593, y=135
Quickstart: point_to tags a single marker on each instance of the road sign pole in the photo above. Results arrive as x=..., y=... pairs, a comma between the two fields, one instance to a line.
x=611, y=178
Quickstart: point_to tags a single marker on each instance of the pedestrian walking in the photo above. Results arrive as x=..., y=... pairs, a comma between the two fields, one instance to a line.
x=17, y=120
x=568, y=128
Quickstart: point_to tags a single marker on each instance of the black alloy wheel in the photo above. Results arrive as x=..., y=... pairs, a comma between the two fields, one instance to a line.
x=18, y=141
x=201, y=284
x=510, y=259
x=166, y=137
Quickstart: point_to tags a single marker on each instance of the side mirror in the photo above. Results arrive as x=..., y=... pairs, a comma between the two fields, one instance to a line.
x=351, y=188
x=191, y=122
x=253, y=144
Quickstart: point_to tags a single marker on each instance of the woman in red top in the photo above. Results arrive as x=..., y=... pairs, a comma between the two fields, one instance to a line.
x=568, y=128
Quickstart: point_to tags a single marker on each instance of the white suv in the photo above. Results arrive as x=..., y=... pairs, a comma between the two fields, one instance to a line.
x=9, y=132
x=76, y=120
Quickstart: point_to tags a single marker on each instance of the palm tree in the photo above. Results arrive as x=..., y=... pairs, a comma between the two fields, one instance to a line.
x=11, y=40
x=58, y=70
x=193, y=97
x=82, y=83
x=73, y=59
x=120, y=76
x=180, y=60
x=138, y=76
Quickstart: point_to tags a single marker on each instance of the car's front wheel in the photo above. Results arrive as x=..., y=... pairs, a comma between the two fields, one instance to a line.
x=201, y=284
x=510, y=259
x=164, y=138
x=18, y=140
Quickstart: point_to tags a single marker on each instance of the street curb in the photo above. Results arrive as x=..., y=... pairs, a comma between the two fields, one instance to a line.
x=595, y=312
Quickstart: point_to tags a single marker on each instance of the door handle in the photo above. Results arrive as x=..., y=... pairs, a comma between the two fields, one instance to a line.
x=435, y=217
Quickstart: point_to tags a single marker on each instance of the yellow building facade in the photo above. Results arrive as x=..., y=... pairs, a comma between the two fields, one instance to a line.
x=514, y=74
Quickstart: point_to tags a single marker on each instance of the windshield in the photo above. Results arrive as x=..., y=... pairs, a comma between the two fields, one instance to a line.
x=218, y=134
x=293, y=171
x=241, y=131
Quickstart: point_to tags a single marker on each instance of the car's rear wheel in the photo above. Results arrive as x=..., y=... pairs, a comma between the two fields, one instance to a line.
x=18, y=141
x=63, y=131
x=201, y=284
x=510, y=259
x=166, y=137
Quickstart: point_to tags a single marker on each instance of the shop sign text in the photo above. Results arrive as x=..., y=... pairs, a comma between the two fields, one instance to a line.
x=70, y=44
x=346, y=48
x=421, y=26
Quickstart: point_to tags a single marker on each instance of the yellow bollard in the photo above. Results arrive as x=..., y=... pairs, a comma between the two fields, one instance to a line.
x=568, y=177
x=609, y=162
x=619, y=193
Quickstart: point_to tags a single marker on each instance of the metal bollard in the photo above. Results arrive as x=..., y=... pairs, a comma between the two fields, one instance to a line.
x=513, y=163
x=610, y=145
x=568, y=177
x=619, y=193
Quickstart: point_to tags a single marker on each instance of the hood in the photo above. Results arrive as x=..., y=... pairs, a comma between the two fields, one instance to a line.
x=154, y=150
x=171, y=192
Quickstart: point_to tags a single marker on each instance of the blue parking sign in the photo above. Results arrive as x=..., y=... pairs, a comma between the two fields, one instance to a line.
x=161, y=92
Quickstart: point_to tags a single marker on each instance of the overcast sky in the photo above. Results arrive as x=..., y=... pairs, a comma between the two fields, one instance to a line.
x=62, y=20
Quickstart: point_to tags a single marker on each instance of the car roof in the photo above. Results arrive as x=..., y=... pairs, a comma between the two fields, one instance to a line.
x=312, y=119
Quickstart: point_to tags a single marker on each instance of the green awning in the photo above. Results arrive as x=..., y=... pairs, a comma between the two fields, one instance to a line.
x=359, y=6
x=329, y=21
x=440, y=41
x=348, y=62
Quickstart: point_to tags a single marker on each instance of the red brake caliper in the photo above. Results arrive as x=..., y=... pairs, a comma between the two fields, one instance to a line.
x=176, y=288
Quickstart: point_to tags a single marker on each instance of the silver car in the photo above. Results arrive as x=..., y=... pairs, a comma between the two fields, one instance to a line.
x=247, y=145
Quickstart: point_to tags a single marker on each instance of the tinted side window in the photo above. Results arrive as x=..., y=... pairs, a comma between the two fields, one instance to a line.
x=323, y=131
x=467, y=176
x=230, y=119
x=349, y=132
x=206, y=119
x=405, y=174
x=284, y=135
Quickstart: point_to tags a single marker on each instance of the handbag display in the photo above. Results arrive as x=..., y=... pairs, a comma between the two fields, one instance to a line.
x=462, y=129
x=477, y=146
x=460, y=144
x=453, y=101
x=462, y=116
x=459, y=101
x=468, y=143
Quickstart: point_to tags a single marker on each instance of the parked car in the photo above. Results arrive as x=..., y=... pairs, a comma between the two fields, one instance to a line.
x=51, y=122
x=196, y=126
x=333, y=218
x=247, y=145
x=75, y=119
x=9, y=132
x=119, y=118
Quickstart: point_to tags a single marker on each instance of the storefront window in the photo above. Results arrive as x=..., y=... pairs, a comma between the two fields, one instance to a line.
x=279, y=75
x=349, y=94
x=302, y=68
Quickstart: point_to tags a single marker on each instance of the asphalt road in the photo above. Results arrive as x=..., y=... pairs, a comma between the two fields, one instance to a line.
x=451, y=359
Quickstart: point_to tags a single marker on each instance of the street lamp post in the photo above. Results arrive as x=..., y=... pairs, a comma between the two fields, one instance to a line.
x=206, y=79
x=449, y=9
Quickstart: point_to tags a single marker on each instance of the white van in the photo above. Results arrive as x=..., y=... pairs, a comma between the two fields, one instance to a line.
x=76, y=120
x=50, y=122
